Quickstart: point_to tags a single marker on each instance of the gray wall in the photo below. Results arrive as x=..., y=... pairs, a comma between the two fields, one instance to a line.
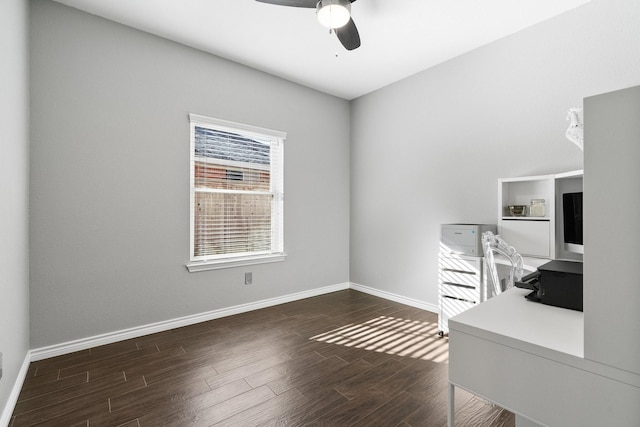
x=110, y=177
x=14, y=181
x=429, y=149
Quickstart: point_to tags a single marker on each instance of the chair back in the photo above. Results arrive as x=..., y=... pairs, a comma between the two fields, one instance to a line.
x=493, y=245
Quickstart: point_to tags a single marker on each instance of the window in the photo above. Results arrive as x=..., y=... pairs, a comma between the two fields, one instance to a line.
x=236, y=194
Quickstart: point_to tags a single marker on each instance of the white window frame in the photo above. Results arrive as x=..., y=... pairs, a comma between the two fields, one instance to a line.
x=277, y=253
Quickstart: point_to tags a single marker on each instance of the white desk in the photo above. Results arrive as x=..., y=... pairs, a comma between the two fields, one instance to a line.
x=528, y=358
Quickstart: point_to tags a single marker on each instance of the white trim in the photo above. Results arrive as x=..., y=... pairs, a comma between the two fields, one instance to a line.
x=217, y=264
x=395, y=297
x=528, y=178
x=234, y=127
x=192, y=193
x=112, y=337
x=231, y=163
x=5, y=417
x=225, y=191
x=276, y=187
x=572, y=174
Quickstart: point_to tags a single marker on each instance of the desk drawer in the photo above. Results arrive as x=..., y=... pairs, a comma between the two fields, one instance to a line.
x=460, y=278
x=461, y=292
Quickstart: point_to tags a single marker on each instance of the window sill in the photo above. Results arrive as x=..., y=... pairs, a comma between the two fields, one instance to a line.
x=197, y=266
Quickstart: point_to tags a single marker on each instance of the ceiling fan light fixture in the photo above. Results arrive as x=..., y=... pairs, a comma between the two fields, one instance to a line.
x=333, y=13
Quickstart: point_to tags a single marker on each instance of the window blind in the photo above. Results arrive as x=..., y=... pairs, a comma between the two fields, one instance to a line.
x=236, y=190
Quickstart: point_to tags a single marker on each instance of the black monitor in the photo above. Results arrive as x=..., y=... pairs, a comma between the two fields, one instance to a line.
x=572, y=216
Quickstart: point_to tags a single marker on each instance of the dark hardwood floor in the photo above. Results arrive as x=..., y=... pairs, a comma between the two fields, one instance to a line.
x=341, y=359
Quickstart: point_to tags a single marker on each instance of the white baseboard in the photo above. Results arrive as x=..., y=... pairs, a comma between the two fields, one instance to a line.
x=5, y=417
x=111, y=337
x=395, y=297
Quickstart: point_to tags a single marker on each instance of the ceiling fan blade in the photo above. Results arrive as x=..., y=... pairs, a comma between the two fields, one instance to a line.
x=348, y=35
x=294, y=3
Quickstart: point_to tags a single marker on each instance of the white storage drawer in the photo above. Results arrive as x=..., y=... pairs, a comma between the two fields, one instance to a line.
x=529, y=237
x=461, y=292
x=460, y=286
x=467, y=264
x=460, y=278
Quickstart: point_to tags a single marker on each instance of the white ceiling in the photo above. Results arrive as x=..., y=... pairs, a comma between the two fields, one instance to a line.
x=399, y=37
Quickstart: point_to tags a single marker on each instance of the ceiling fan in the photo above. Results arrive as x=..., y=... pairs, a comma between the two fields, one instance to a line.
x=334, y=14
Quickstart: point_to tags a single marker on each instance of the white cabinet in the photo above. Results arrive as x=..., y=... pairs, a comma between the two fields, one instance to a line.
x=533, y=237
x=460, y=286
x=541, y=235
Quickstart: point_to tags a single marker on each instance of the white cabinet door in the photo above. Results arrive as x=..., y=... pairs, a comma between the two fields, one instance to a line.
x=528, y=237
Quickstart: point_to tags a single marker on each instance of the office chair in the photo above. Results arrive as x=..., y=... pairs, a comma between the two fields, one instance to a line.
x=494, y=245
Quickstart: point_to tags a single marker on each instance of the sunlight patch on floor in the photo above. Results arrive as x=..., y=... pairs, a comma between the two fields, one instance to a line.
x=391, y=335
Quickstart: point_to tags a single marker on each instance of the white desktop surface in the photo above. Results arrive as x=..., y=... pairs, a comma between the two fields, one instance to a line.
x=529, y=358
x=529, y=264
x=512, y=320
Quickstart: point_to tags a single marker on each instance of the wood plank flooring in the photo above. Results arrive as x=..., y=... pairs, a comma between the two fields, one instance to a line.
x=341, y=359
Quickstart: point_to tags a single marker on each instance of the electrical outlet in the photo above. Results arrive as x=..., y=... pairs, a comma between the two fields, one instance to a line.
x=248, y=278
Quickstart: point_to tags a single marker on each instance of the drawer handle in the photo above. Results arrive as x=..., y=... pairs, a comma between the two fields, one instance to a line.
x=472, y=273
x=460, y=285
x=458, y=299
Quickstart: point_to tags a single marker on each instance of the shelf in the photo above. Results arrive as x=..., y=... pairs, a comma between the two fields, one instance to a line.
x=526, y=218
x=530, y=178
